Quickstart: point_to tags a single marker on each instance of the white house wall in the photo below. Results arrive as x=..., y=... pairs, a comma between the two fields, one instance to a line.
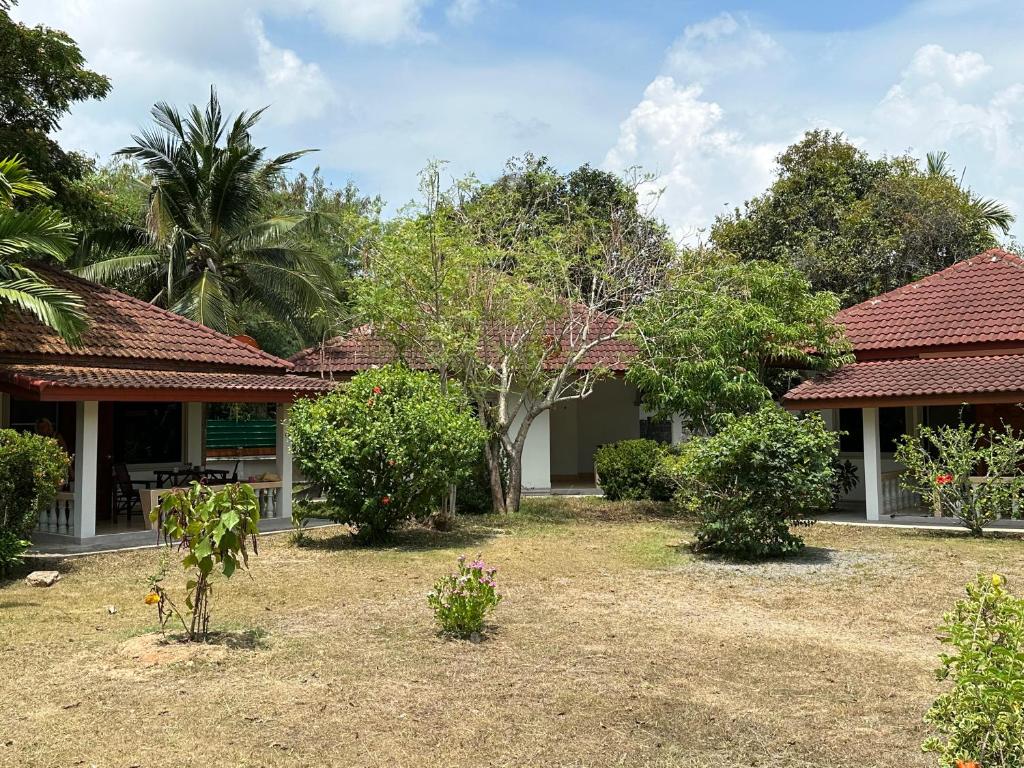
x=610, y=414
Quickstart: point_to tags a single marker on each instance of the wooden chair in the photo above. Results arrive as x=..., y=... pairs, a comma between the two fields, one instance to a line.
x=125, y=493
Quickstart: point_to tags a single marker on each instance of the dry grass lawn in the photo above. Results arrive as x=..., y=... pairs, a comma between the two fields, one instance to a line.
x=614, y=647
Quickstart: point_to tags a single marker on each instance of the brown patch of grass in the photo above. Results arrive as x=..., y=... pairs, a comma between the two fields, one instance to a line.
x=614, y=647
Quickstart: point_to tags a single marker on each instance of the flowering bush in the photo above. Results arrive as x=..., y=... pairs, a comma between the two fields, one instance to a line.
x=462, y=600
x=940, y=464
x=980, y=721
x=386, y=447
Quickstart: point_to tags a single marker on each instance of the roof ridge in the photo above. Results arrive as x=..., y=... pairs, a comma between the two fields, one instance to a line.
x=168, y=314
x=956, y=266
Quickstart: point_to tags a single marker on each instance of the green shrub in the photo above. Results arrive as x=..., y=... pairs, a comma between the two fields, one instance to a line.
x=386, y=447
x=473, y=494
x=212, y=525
x=939, y=464
x=981, y=719
x=627, y=470
x=755, y=479
x=32, y=469
x=462, y=600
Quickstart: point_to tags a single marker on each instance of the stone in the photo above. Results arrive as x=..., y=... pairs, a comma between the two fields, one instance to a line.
x=42, y=578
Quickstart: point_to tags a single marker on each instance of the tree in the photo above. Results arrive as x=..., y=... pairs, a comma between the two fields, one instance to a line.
x=472, y=281
x=218, y=257
x=42, y=75
x=856, y=225
x=31, y=234
x=725, y=337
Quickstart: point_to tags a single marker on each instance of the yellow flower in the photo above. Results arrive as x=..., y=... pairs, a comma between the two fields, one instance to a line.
x=997, y=580
x=152, y=598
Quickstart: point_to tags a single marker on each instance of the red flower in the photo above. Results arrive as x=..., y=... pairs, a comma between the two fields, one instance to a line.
x=943, y=479
x=967, y=764
x=386, y=500
x=376, y=390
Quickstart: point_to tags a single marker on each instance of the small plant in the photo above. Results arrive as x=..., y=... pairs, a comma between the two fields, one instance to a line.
x=628, y=470
x=12, y=547
x=212, y=526
x=844, y=480
x=970, y=471
x=980, y=721
x=462, y=600
x=754, y=480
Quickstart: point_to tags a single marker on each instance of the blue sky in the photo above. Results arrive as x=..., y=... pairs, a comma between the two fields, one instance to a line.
x=704, y=94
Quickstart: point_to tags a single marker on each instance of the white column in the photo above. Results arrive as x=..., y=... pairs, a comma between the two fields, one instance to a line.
x=284, y=461
x=5, y=410
x=872, y=464
x=677, y=429
x=195, y=433
x=537, y=453
x=87, y=423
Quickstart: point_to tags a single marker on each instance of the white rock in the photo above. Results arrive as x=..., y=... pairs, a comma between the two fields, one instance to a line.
x=42, y=578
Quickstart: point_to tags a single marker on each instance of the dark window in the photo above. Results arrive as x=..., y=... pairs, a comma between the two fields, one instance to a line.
x=25, y=414
x=948, y=415
x=660, y=430
x=892, y=423
x=147, y=433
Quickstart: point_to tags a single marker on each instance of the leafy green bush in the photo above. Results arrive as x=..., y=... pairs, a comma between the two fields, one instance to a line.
x=462, y=600
x=212, y=526
x=12, y=548
x=981, y=719
x=939, y=464
x=386, y=447
x=32, y=470
x=756, y=478
x=473, y=494
x=627, y=470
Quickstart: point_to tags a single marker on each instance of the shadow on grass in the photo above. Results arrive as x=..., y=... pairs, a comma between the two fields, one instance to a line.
x=808, y=557
x=241, y=640
x=410, y=538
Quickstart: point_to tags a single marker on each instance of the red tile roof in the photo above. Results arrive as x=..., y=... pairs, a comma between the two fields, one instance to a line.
x=361, y=349
x=127, y=331
x=915, y=380
x=63, y=382
x=977, y=301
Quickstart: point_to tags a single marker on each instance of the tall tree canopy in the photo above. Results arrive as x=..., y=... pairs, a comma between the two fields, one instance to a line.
x=507, y=288
x=42, y=75
x=857, y=225
x=217, y=255
x=726, y=337
x=30, y=233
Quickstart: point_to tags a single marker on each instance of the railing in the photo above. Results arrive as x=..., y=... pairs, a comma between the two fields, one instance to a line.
x=979, y=480
x=59, y=517
x=896, y=498
x=267, y=494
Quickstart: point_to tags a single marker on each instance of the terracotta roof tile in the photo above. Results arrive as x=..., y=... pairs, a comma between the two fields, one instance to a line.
x=956, y=377
x=360, y=349
x=49, y=381
x=976, y=301
x=124, y=330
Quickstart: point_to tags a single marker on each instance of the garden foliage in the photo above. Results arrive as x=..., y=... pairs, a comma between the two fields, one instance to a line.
x=462, y=600
x=629, y=470
x=32, y=470
x=940, y=462
x=753, y=480
x=212, y=526
x=980, y=719
x=386, y=448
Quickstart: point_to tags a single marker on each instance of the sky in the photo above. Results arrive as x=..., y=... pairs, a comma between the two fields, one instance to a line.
x=702, y=94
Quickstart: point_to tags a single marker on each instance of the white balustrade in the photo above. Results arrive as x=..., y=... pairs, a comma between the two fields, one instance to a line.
x=268, y=495
x=59, y=517
x=896, y=498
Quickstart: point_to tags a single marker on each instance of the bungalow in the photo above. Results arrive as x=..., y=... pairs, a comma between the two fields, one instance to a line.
x=946, y=348
x=129, y=404
x=560, y=445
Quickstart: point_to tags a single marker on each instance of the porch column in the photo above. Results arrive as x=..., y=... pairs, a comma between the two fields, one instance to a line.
x=5, y=410
x=872, y=464
x=195, y=444
x=677, y=429
x=284, y=461
x=87, y=422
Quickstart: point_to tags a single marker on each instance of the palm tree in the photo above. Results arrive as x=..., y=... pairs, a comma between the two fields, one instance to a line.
x=995, y=214
x=217, y=257
x=33, y=234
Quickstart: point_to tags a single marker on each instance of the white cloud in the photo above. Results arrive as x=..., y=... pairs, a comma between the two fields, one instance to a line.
x=300, y=89
x=462, y=11
x=719, y=46
x=367, y=21
x=699, y=162
x=933, y=63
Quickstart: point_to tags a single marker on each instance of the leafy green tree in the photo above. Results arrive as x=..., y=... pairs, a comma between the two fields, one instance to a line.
x=725, y=337
x=510, y=307
x=859, y=226
x=217, y=256
x=31, y=234
x=42, y=75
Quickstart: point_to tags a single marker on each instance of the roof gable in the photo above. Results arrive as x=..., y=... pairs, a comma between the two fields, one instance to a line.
x=976, y=301
x=124, y=330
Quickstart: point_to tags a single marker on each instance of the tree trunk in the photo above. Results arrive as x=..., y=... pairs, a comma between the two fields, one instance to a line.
x=492, y=450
